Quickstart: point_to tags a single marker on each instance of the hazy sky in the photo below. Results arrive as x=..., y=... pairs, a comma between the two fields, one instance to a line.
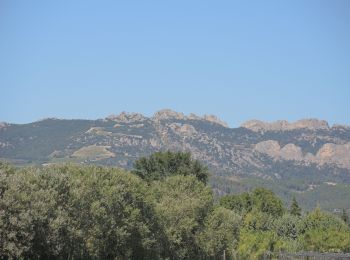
x=238, y=60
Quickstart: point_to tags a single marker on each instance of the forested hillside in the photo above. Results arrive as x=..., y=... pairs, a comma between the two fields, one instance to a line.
x=162, y=209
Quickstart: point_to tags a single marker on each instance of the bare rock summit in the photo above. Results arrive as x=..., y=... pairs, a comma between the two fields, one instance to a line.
x=283, y=125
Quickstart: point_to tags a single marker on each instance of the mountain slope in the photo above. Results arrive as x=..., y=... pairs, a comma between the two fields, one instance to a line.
x=306, y=159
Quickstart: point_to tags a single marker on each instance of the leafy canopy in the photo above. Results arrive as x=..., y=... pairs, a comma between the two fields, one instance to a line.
x=163, y=164
x=260, y=199
x=77, y=212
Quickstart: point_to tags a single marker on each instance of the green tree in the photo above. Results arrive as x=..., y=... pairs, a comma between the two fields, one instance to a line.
x=294, y=208
x=325, y=232
x=289, y=226
x=258, y=220
x=330, y=240
x=266, y=201
x=33, y=217
x=318, y=219
x=241, y=203
x=256, y=244
x=260, y=199
x=221, y=232
x=70, y=212
x=345, y=217
x=114, y=214
x=91, y=212
x=182, y=204
x=163, y=164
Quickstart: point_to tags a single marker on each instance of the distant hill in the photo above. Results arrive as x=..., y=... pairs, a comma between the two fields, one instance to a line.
x=307, y=159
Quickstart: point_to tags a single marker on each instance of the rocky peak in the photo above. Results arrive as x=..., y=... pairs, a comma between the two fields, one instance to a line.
x=215, y=119
x=313, y=124
x=165, y=114
x=126, y=117
x=282, y=125
x=257, y=125
x=192, y=116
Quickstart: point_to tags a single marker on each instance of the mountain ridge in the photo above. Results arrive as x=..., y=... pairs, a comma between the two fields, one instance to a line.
x=293, y=158
x=332, y=150
x=253, y=124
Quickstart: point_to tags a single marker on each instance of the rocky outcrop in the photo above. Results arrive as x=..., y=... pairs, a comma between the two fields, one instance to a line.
x=273, y=149
x=257, y=125
x=338, y=154
x=192, y=116
x=168, y=114
x=125, y=117
x=269, y=147
x=291, y=152
x=312, y=124
x=334, y=153
x=186, y=130
x=282, y=125
x=215, y=119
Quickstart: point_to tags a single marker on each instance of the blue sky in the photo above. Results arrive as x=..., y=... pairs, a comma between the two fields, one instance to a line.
x=238, y=60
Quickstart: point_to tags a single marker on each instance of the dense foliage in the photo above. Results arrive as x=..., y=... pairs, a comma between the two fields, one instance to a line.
x=91, y=212
x=163, y=164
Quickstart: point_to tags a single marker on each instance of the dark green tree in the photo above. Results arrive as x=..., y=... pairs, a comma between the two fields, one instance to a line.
x=327, y=240
x=320, y=220
x=259, y=200
x=182, y=204
x=295, y=210
x=221, y=232
x=241, y=203
x=345, y=217
x=288, y=226
x=91, y=212
x=71, y=212
x=267, y=202
x=162, y=164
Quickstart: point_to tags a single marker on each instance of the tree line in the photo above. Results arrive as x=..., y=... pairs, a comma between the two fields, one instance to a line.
x=162, y=209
